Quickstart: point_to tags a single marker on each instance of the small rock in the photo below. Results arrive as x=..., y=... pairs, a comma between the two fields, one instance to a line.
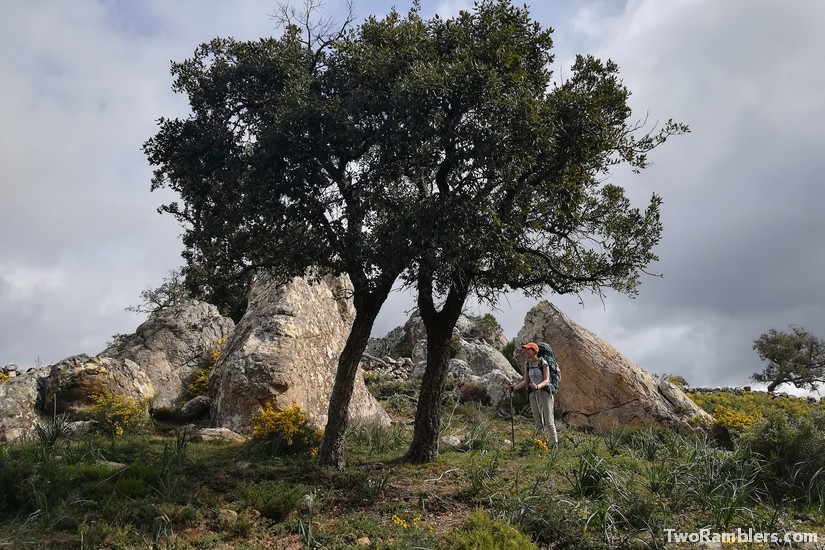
x=218, y=434
x=196, y=408
x=363, y=541
x=110, y=464
x=451, y=440
x=80, y=427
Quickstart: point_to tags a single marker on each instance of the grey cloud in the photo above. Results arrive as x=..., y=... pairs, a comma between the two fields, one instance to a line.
x=742, y=252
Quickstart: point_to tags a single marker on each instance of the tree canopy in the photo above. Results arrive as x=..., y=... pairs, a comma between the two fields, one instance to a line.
x=795, y=357
x=439, y=151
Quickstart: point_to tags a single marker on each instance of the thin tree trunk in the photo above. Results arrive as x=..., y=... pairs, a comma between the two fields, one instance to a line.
x=367, y=307
x=439, y=326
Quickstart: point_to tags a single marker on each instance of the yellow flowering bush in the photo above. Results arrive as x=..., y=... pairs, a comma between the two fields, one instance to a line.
x=734, y=420
x=541, y=445
x=289, y=428
x=200, y=380
x=399, y=522
x=751, y=406
x=418, y=522
x=4, y=377
x=119, y=413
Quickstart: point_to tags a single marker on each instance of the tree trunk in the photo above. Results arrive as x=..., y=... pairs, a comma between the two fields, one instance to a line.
x=424, y=446
x=439, y=326
x=367, y=307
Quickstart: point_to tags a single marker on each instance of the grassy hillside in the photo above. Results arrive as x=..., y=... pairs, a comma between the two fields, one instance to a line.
x=154, y=487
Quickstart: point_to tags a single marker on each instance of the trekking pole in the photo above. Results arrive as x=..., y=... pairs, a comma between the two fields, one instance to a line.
x=512, y=422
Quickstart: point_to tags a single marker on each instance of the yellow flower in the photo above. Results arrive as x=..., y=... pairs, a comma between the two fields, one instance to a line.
x=399, y=522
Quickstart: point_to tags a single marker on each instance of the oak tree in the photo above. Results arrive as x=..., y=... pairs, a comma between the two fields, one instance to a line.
x=515, y=167
x=795, y=357
x=437, y=151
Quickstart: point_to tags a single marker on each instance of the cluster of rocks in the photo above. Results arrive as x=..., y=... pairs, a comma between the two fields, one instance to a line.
x=10, y=370
x=285, y=349
x=478, y=367
x=392, y=369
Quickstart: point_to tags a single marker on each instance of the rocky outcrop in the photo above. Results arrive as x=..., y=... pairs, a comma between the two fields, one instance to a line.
x=155, y=363
x=171, y=346
x=19, y=401
x=410, y=340
x=285, y=350
x=479, y=370
x=600, y=388
x=73, y=382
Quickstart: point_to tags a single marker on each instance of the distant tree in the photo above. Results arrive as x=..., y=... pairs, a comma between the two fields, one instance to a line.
x=796, y=357
x=169, y=293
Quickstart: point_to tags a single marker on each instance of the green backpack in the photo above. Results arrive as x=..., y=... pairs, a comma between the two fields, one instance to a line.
x=546, y=353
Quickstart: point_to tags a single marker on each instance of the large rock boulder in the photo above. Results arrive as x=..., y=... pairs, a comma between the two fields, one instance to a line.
x=171, y=346
x=73, y=382
x=285, y=350
x=19, y=400
x=600, y=388
x=156, y=362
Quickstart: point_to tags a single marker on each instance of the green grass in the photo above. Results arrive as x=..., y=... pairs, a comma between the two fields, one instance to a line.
x=616, y=490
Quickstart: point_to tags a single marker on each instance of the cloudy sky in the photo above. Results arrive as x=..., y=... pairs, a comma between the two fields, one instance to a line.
x=82, y=84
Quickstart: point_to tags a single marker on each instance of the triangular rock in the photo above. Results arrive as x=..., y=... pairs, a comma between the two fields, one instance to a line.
x=600, y=388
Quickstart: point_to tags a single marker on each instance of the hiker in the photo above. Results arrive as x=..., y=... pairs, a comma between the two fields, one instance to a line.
x=536, y=378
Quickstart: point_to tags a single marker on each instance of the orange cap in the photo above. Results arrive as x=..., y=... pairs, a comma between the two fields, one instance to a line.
x=531, y=345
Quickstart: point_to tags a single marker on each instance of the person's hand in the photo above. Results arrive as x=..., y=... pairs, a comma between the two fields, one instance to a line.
x=509, y=388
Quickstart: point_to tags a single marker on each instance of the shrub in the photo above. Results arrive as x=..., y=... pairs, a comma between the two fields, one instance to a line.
x=750, y=403
x=733, y=419
x=118, y=413
x=273, y=500
x=4, y=377
x=470, y=392
x=793, y=450
x=200, y=379
x=289, y=430
x=509, y=351
x=482, y=532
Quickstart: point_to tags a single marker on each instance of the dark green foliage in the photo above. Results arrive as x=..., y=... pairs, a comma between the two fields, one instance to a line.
x=406, y=148
x=274, y=500
x=792, y=452
x=796, y=357
x=14, y=471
